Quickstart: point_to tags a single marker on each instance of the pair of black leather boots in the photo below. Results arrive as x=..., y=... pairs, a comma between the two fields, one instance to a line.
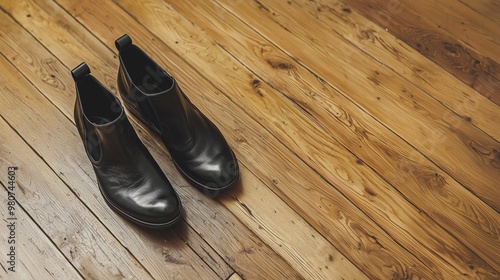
x=129, y=179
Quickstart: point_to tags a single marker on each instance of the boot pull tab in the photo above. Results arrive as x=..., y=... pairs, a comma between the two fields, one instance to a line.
x=123, y=42
x=80, y=71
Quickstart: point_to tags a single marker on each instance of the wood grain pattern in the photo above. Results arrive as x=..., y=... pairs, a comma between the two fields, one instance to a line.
x=213, y=260
x=444, y=138
x=407, y=62
x=463, y=23
x=235, y=276
x=287, y=233
x=243, y=43
x=488, y=8
x=38, y=254
x=476, y=70
x=360, y=156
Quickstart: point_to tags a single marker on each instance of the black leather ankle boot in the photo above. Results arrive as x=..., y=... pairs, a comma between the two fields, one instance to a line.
x=196, y=145
x=129, y=179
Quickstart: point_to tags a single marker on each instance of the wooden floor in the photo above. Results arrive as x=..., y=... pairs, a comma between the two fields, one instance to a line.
x=368, y=136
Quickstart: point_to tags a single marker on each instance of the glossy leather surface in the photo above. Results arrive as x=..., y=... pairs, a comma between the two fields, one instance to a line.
x=196, y=145
x=130, y=180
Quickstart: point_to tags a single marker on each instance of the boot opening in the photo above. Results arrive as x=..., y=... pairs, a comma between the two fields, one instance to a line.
x=146, y=74
x=99, y=105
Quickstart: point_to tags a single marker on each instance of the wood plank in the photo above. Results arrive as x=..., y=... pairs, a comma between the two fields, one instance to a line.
x=236, y=37
x=36, y=256
x=235, y=276
x=273, y=163
x=463, y=23
x=47, y=125
x=409, y=63
x=83, y=239
x=208, y=206
x=288, y=233
x=488, y=8
x=205, y=251
x=476, y=70
x=440, y=135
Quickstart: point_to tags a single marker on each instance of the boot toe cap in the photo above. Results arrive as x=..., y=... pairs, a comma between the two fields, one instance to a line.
x=150, y=210
x=163, y=211
x=213, y=178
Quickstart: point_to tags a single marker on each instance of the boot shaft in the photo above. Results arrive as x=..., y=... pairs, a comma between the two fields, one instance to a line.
x=101, y=120
x=154, y=96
